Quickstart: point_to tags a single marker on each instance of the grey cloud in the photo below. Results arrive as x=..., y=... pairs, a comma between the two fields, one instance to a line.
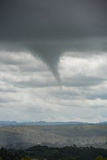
x=76, y=81
x=31, y=69
x=6, y=100
x=8, y=90
x=9, y=60
x=34, y=84
x=83, y=81
x=65, y=94
x=3, y=100
x=97, y=96
x=49, y=28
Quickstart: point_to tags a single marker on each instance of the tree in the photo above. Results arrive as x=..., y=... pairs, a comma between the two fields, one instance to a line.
x=99, y=158
x=26, y=158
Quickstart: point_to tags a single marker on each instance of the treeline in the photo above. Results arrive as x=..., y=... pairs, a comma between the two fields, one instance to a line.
x=50, y=153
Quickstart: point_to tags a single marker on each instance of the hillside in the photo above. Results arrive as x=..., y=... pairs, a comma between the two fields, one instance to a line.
x=59, y=136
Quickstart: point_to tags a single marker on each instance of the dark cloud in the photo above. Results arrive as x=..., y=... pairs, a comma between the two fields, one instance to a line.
x=24, y=19
x=49, y=28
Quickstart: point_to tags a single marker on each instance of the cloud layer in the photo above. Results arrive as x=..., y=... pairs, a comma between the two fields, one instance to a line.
x=28, y=90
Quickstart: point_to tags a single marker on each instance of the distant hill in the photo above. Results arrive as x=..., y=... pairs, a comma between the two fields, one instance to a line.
x=62, y=134
x=39, y=123
x=44, y=123
x=105, y=123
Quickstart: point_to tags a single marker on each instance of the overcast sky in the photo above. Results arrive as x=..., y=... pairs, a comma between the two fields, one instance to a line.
x=53, y=60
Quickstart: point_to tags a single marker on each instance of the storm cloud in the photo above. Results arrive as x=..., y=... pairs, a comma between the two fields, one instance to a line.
x=50, y=28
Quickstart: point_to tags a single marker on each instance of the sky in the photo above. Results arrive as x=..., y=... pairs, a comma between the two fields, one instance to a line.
x=53, y=60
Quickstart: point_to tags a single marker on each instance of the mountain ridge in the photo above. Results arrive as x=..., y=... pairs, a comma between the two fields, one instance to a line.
x=45, y=123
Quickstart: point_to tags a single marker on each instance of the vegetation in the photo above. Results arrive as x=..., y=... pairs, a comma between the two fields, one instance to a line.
x=51, y=153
